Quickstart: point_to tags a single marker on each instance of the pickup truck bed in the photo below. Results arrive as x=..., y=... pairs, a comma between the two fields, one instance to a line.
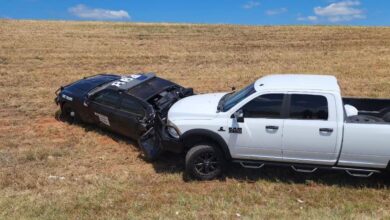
x=379, y=108
x=366, y=141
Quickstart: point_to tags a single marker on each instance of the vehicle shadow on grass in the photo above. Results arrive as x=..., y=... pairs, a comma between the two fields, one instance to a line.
x=173, y=163
x=323, y=177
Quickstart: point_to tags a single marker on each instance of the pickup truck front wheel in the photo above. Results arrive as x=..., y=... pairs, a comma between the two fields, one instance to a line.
x=205, y=162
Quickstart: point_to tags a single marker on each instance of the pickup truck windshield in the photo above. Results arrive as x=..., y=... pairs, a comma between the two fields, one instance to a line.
x=231, y=99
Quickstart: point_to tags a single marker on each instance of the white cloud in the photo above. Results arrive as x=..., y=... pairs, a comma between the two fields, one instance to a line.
x=276, y=11
x=251, y=4
x=5, y=17
x=340, y=11
x=311, y=18
x=83, y=11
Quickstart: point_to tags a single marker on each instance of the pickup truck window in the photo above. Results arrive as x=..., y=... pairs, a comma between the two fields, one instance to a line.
x=264, y=106
x=131, y=106
x=309, y=107
x=108, y=98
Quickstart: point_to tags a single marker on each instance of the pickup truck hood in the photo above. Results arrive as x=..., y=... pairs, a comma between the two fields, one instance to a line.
x=196, y=107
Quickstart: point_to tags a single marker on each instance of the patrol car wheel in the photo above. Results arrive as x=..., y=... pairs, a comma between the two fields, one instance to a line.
x=205, y=162
x=68, y=114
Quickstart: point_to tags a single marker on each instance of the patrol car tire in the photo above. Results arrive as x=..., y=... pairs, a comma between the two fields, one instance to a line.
x=205, y=162
x=68, y=114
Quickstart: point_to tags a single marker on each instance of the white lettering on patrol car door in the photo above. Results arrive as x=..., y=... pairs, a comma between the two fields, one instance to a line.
x=103, y=119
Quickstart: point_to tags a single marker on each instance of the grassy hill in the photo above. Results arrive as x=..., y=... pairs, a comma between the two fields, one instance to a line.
x=50, y=169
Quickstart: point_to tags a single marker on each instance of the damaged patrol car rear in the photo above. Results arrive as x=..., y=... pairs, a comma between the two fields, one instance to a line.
x=135, y=106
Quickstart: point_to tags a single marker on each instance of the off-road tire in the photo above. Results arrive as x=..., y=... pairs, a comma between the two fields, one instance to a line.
x=205, y=162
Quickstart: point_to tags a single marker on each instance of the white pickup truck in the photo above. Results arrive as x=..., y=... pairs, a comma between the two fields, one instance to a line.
x=297, y=120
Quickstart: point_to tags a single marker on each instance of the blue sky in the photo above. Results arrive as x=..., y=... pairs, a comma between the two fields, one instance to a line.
x=251, y=12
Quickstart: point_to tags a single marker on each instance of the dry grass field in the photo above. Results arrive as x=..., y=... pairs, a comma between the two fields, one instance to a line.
x=53, y=170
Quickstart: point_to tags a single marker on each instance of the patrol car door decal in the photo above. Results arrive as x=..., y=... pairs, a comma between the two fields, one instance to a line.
x=103, y=119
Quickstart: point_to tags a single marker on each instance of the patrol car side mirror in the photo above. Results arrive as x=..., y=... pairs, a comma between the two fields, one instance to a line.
x=87, y=100
x=239, y=116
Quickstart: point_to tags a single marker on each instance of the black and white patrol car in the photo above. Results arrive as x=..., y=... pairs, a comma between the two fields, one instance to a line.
x=134, y=106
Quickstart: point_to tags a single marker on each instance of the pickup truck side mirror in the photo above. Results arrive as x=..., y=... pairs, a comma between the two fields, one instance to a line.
x=239, y=116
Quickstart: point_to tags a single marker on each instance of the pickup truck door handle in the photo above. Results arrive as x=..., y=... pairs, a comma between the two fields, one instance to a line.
x=271, y=127
x=326, y=130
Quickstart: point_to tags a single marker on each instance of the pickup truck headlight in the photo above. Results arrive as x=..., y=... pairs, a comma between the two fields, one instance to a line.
x=172, y=130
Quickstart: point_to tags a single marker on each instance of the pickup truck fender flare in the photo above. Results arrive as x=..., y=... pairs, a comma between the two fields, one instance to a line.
x=191, y=137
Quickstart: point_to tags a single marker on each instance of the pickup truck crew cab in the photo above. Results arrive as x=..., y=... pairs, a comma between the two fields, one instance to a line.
x=296, y=120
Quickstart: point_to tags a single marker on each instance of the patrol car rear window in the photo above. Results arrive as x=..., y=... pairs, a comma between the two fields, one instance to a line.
x=132, y=106
x=150, y=88
x=109, y=98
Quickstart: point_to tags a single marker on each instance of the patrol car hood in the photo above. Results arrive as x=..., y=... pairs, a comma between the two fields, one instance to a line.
x=196, y=107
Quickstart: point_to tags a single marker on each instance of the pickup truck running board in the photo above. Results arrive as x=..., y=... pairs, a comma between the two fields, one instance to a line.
x=355, y=172
x=304, y=169
x=251, y=165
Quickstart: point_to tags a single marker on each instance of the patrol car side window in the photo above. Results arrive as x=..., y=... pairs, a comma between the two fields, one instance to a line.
x=108, y=98
x=264, y=106
x=132, y=106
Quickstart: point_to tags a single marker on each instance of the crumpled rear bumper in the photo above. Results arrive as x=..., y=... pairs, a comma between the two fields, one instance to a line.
x=156, y=140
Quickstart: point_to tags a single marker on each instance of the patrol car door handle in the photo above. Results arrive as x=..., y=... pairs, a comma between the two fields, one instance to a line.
x=271, y=127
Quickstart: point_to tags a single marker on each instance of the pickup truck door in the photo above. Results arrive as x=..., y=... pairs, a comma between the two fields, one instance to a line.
x=259, y=134
x=310, y=131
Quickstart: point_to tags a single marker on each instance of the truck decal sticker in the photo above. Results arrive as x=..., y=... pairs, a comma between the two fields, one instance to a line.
x=103, y=119
x=235, y=130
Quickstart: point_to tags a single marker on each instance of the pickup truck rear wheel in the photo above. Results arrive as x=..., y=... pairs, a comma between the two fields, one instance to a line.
x=205, y=162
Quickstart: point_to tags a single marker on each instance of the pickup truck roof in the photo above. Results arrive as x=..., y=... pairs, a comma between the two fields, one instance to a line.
x=301, y=82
